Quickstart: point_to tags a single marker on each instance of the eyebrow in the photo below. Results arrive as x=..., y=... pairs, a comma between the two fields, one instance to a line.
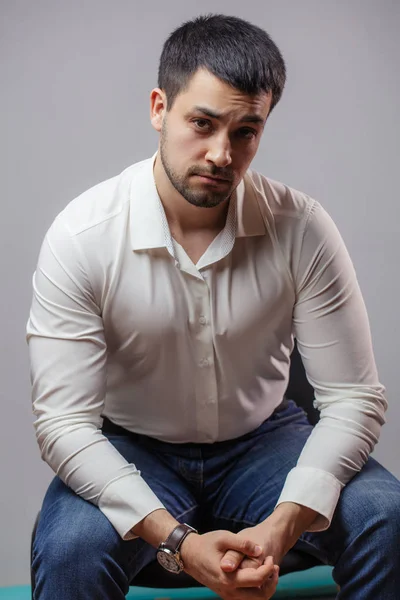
x=219, y=115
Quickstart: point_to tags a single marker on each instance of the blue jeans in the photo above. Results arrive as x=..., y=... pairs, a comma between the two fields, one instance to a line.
x=226, y=485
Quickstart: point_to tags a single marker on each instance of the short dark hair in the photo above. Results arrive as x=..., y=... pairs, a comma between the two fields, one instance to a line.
x=232, y=49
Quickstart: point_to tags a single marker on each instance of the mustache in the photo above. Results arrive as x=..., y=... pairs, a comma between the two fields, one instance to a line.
x=222, y=174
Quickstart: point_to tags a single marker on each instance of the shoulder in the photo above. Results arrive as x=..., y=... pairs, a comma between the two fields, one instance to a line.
x=297, y=221
x=281, y=200
x=101, y=203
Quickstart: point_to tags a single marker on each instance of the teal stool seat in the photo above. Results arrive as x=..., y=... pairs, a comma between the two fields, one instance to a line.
x=18, y=592
x=312, y=583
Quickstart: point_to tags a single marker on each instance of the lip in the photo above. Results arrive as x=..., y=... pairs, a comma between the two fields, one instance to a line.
x=213, y=179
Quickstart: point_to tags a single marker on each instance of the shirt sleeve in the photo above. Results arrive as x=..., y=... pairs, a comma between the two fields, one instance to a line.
x=333, y=336
x=68, y=352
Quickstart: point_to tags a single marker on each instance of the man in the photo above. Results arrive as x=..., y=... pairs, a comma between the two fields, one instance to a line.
x=165, y=304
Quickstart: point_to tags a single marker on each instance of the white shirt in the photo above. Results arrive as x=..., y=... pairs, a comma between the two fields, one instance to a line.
x=123, y=324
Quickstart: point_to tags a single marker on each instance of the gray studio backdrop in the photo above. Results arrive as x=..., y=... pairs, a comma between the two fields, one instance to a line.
x=75, y=80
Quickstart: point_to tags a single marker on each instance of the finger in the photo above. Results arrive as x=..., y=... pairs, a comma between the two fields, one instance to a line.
x=231, y=560
x=263, y=592
x=232, y=541
x=254, y=577
x=253, y=594
x=275, y=570
x=270, y=584
x=248, y=562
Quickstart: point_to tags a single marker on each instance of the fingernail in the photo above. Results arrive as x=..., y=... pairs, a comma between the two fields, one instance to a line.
x=228, y=563
x=258, y=549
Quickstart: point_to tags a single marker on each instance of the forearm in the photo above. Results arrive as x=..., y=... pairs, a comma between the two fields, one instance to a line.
x=288, y=522
x=155, y=527
x=295, y=518
x=335, y=451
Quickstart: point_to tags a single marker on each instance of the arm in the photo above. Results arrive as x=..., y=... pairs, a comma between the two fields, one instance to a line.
x=333, y=336
x=334, y=340
x=68, y=369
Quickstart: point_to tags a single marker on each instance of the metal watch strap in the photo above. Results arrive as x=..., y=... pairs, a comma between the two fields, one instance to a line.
x=176, y=537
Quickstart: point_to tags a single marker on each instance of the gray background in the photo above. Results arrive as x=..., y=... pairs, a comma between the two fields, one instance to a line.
x=75, y=79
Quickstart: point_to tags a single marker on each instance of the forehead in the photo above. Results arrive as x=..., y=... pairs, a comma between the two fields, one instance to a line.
x=205, y=89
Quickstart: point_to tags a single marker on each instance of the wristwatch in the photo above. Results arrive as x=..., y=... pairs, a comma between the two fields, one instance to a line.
x=168, y=552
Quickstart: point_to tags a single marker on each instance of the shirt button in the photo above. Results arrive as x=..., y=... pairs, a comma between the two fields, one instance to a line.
x=204, y=362
x=202, y=320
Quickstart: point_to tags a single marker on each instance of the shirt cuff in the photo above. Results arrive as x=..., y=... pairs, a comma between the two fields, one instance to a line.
x=316, y=489
x=127, y=501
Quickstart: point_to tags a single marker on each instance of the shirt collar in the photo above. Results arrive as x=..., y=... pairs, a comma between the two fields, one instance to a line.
x=148, y=222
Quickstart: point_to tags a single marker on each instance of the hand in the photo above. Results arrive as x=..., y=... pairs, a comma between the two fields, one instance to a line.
x=276, y=535
x=202, y=555
x=272, y=547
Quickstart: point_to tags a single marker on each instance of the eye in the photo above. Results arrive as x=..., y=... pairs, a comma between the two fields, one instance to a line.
x=247, y=133
x=202, y=125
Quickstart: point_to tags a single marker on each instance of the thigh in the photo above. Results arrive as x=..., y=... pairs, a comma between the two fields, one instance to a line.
x=363, y=536
x=69, y=523
x=366, y=520
x=251, y=478
x=159, y=465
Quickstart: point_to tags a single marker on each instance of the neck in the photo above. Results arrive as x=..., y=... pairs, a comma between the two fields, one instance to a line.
x=183, y=215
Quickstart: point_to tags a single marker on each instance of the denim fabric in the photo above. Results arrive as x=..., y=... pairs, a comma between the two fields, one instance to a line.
x=230, y=485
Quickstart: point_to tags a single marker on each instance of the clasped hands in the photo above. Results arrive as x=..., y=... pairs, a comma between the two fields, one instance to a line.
x=243, y=566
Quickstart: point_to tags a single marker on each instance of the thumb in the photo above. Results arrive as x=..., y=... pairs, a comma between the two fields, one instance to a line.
x=238, y=547
x=231, y=560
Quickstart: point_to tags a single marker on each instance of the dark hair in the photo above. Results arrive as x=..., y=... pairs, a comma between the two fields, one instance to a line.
x=230, y=48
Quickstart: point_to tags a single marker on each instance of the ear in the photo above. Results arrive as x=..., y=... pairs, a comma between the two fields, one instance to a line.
x=158, y=108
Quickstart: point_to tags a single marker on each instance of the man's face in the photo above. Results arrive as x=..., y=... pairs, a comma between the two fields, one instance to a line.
x=209, y=138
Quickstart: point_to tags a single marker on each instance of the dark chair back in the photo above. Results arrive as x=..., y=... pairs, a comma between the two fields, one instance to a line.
x=299, y=389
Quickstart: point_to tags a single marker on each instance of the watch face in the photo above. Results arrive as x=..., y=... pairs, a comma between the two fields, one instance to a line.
x=168, y=560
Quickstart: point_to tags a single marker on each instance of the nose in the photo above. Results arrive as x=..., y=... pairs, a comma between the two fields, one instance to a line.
x=220, y=151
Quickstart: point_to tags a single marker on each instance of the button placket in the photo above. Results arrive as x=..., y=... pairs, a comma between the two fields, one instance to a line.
x=205, y=380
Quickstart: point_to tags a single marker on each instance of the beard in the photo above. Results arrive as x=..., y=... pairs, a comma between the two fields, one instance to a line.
x=202, y=198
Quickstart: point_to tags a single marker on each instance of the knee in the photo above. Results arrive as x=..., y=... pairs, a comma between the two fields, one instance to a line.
x=378, y=514
x=71, y=545
x=386, y=509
